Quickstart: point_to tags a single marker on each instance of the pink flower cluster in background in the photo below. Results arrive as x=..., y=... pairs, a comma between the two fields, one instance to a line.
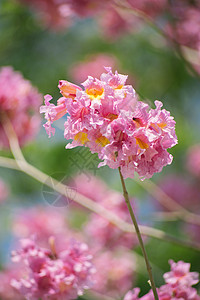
x=178, y=285
x=19, y=101
x=52, y=275
x=107, y=117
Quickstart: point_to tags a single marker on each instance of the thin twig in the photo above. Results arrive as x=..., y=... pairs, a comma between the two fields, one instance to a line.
x=148, y=266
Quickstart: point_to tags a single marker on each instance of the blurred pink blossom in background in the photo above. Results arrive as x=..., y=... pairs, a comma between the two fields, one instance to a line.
x=19, y=101
x=49, y=274
x=114, y=24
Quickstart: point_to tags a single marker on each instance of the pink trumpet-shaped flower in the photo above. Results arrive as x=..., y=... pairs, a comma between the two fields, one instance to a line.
x=54, y=112
x=180, y=274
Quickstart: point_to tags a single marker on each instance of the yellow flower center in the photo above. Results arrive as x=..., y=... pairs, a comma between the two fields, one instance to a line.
x=137, y=122
x=81, y=137
x=162, y=125
x=95, y=93
x=141, y=144
x=119, y=87
x=111, y=117
x=102, y=141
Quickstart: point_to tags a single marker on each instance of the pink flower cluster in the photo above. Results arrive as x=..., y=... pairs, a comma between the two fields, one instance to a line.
x=52, y=275
x=178, y=285
x=107, y=117
x=19, y=101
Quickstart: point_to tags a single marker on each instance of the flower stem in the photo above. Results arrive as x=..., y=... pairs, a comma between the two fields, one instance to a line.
x=137, y=230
